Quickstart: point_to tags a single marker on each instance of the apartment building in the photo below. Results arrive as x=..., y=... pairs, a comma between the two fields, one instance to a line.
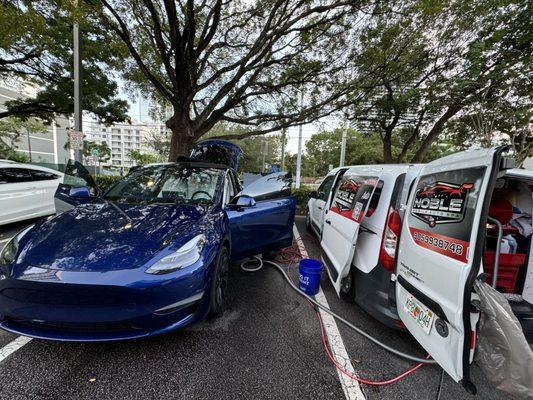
x=121, y=138
x=48, y=146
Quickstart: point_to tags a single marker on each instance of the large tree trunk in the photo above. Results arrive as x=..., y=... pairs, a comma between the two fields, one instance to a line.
x=434, y=133
x=387, y=147
x=182, y=138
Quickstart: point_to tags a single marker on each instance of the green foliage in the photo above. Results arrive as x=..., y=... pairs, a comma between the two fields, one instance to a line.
x=36, y=47
x=302, y=196
x=424, y=63
x=11, y=129
x=104, y=152
x=104, y=182
x=142, y=158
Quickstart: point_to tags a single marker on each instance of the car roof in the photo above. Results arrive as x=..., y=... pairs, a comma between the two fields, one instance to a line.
x=377, y=167
x=381, y=169
x=28, y=166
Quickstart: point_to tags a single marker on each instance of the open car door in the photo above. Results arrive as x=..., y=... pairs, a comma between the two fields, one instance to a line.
x=78, y=187
x=342, y=221
x=261, y=216
x=440, y=252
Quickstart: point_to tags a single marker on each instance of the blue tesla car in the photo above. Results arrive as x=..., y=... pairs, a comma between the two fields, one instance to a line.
x=149, y=256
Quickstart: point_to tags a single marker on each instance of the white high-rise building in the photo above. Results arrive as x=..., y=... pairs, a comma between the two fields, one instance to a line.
x=121, y=138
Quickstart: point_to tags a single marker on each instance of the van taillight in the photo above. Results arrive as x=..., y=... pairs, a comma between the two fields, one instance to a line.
x=387, y=253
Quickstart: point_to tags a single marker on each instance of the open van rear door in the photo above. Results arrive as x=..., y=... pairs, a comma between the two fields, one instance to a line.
x=342, y=221
x=440, y=253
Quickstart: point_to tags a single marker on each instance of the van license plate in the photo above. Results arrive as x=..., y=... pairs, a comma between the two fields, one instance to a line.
x=420, y=313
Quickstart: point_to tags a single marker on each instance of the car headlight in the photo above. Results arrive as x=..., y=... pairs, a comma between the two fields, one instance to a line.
x=187, y=255
x=9, y=252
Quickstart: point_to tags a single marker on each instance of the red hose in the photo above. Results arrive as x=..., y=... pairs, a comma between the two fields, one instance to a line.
x=291, y=255
x=353, y=377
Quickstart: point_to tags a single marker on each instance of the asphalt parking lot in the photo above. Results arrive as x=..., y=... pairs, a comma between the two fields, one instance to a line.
x=266, y=346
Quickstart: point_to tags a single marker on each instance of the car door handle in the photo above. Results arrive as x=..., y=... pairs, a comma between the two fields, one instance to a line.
x=328, y=222
x=320, y=208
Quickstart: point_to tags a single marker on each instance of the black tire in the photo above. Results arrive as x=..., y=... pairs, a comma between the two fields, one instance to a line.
x=269, y=254
x=219, y=284
x=347, y=292
x=308, y=222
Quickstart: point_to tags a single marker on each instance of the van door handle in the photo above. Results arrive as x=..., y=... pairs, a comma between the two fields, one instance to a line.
x=328, y=222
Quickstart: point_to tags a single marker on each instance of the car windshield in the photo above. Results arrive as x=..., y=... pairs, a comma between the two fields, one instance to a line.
x=167, y=184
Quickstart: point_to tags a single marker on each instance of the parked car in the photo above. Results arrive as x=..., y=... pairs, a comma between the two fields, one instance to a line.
x=26, y=191
x=149, y=256
x=407, y=242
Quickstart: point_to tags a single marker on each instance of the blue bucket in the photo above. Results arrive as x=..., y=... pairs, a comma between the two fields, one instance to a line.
x=310, y=270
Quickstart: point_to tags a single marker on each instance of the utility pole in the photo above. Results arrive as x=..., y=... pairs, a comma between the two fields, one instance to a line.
x=299, y=156
x=283, y=149
x=343, y=147
x=29, y=144
x=264, y=150
x=78, y=125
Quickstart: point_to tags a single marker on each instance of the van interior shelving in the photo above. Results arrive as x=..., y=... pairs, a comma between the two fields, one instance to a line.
x=511, y=201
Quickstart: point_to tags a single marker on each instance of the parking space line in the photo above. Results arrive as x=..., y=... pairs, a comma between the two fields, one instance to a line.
x=13, y=346
x=352, y=389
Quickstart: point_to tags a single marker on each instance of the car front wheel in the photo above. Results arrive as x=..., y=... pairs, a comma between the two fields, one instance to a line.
x=219, y=284
x=308, y=221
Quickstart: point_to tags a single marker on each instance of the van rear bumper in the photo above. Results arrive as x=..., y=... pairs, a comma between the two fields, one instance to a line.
x=375, y=293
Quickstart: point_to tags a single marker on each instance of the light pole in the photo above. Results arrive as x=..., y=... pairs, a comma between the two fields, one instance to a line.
x=299, y=156
x=78, y=125
x=283, y=149
x=343, y=147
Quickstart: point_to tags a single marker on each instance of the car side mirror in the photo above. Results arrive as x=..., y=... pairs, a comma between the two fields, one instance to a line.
x=82, y=192
x=245, y=201
x=313, y=194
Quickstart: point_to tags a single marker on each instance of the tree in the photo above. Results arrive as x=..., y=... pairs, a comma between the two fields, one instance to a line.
x=436, y=61
x=36, y=49
x=322, y=150
x=142, y=158
x=237, y=62
x=104, y=152
x=10, y=131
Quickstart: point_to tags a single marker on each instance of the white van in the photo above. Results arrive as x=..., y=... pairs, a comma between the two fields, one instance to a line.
x=407, y=242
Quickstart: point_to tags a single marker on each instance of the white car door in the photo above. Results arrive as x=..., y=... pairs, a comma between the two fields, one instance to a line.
x=341, y=224
x=317, y=204
x=440, y=251
x=46, y=183
x=18, y=194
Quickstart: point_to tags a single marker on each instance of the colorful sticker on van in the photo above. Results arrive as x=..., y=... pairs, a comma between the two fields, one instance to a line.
x=352, y=197
x=441, y=203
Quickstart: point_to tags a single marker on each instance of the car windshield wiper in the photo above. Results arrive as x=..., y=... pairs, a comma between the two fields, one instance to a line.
x=120, y=210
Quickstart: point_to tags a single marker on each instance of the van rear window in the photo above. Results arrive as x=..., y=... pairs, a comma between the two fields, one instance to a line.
x=353, y=195
x=442, y=211
x=375, y=199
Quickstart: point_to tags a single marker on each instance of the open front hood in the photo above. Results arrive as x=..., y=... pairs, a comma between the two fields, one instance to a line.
x=217, y=152
x=98, y=237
